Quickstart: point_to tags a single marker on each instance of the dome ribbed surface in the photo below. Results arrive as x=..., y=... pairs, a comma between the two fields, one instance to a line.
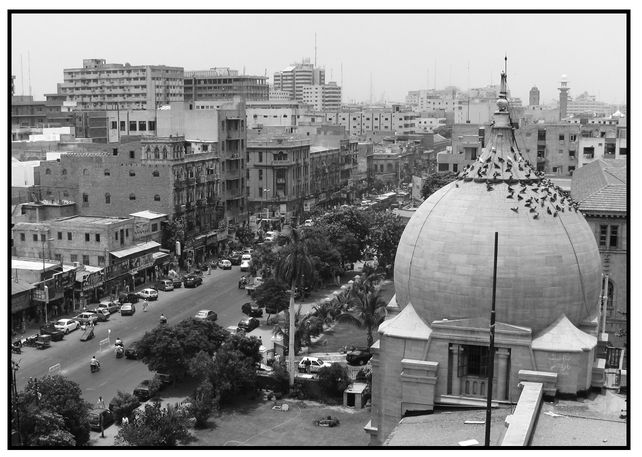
x=548, y=260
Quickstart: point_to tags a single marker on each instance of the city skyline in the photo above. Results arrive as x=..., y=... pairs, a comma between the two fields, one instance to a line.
x=397, y=52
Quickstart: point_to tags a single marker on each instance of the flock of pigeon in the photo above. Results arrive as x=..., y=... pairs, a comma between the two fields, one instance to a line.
x=530, y=190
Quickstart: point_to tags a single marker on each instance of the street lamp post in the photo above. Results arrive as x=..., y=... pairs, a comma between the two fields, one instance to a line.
x=44, y=239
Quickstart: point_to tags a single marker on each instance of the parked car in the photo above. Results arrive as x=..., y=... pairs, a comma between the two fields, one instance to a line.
x=131, y=351
x=95, y=416
x=192, y=281
x=86, y=318
x=308, y=223
x=164, y=379
x=177, y=281
x=165, y=285
x=66, y=325
x=147, y=389
x=327, y=421
x=358, y=356
x=225, y=264
x=111, y=306
x=50, y=329
x=234, y=329
x=248, y=251
x=128, y=309
x=102, y=314
x=315, y=364
x=253, y=309
x=248, y=324
x=128, y=297
x=206, y=314
x=245, y=265
x=148, y=294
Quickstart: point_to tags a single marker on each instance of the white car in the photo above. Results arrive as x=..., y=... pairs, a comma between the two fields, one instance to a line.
x=308, y=223
x=148, y=294
x=315, y=364
x=246, y=257
x=66, y=325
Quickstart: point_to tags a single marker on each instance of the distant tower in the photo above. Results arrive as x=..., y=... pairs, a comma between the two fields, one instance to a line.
x=533, y=96
x=563, y=96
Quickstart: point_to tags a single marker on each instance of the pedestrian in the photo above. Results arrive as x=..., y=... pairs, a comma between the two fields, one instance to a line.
x=100, y=402
x=125, y=420
x=145, y=303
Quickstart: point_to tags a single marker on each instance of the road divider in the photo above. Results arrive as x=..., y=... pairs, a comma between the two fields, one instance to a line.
x=54, y=369
x=103, y=343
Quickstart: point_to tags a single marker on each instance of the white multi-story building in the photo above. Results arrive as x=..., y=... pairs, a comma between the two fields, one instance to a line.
x=293, y=78
x=109, y=86
x=323, y=97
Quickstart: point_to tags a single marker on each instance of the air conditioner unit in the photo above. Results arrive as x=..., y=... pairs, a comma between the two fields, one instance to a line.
x=76, y=264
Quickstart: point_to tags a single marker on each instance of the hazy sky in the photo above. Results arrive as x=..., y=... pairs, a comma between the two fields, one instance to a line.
x=400, y=51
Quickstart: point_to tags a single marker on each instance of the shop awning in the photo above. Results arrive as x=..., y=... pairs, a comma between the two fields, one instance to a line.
x=135, y=249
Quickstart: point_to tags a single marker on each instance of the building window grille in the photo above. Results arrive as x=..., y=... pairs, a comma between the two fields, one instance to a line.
x=108, y=198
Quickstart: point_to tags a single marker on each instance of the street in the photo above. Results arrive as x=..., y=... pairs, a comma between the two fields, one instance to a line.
x=218, y=292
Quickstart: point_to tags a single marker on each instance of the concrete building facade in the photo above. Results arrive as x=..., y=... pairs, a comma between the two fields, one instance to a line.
x=224, y=84
x=322, y=97
x=98, y=85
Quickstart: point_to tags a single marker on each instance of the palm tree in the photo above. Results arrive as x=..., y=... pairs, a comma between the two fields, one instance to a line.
x=368, y=308
x=292, y=266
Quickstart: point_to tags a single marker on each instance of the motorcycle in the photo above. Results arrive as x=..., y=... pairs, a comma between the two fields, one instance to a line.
x=163, y=320
x=94, y=367
x=16, y=347
x=120, y=351
x=242, y=282
x=31, y=340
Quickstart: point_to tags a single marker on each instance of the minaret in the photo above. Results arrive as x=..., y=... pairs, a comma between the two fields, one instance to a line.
x=563, y=97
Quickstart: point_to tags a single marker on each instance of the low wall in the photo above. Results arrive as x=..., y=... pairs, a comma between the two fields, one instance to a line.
x=521, y=422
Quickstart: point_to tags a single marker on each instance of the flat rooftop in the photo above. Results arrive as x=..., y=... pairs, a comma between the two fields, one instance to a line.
x=87, y=220
x=591, y=421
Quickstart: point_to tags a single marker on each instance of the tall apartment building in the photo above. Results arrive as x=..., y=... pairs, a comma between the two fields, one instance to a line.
x=533, y=96
x=99, y=85
x=604, y=138
x=194, y=170
x=585, y=103
x=293, y=78
x=278, y=170
x=224, y=84
x=323, y=97
x=367, y=122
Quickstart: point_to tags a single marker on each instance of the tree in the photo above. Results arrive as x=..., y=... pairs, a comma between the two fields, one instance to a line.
x=436, y=181
x=173, y=231
x=56, y=395
x=201, y=365
x=326, y=259
x=122, y=405
x=293, y=265
x=169, y=348
x=368, y=308
x=263, y=261
x=272, y=295
x=351, y=224
x=234, y=369
x=385, y=235
x=155, y=426
x=48, y=430
x=333, y=380
x=245, y=235
x=444, y=130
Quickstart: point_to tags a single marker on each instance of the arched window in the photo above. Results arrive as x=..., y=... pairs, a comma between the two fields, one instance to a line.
x=156, y=198
x=389, y=167
x=85, y=172
x=107, y=172
x=156, y=153
x=132, y=196
x=155, y=174
x=47, y=171
x=108, y=198
x=64, y=171
x=132, y=173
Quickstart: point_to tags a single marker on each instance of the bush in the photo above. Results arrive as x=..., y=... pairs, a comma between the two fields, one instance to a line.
x=201, y=403
x=122, y=405
x=333, y=380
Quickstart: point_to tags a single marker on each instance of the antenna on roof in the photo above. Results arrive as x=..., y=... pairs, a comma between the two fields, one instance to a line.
x=315, y=49
x=29, y=69
x=22, y=79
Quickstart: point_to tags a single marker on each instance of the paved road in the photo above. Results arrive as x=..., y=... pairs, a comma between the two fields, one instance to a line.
x=219, y=292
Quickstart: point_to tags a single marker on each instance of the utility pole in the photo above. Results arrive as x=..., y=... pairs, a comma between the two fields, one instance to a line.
x=491, y=355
